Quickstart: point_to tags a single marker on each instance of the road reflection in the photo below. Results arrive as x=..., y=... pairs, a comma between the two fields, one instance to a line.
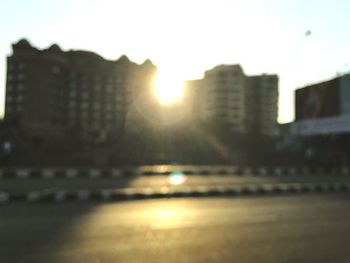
x=172, y=216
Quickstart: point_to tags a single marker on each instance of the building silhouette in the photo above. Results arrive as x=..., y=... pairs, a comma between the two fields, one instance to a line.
x=224, y=96
x=52, y=92
x=262, y=104
x=243, y=104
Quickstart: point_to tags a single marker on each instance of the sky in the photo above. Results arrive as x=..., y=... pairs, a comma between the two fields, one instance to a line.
x=186, y=37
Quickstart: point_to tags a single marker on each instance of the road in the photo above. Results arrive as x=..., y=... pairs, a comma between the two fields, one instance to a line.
x=298, y=228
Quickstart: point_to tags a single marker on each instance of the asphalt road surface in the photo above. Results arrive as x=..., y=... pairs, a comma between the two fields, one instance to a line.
x=298, y=228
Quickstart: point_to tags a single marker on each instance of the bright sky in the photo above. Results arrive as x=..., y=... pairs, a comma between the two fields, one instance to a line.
x=185, y=38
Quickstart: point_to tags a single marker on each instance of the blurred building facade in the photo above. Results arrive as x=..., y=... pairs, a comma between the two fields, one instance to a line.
x=52, y=92
x=262, y=104
x=224, y=96
x=195, y=95
x=244, y=104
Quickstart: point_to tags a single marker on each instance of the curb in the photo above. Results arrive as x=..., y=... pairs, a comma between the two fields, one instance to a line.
x=58, y=196
x=72, y=173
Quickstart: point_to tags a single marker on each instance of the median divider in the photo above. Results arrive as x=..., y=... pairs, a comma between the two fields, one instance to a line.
x=106, y=195
x=96, y=173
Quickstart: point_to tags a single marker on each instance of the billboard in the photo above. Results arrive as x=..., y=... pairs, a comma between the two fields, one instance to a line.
x=318, y=100
x=345, y=94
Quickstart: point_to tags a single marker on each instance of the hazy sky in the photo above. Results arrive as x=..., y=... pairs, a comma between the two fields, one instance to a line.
x=187, y=37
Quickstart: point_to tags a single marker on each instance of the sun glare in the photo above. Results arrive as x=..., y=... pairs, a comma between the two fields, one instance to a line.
x=168, y=89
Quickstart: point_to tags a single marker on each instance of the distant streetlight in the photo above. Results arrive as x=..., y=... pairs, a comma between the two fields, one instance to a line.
x=299, y=41
x=308, y=33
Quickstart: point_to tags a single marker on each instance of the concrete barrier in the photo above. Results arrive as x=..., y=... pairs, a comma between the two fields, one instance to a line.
x=94, y=173
x=262, y=171
x=4, y=198
x=73, y=173
x=166, y=192
x=23, y=173
x=48, y=173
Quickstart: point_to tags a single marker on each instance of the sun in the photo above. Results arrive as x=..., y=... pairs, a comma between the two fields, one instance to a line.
x=167, y=88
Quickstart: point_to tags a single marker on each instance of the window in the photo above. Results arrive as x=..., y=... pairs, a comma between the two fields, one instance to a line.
x=84, y=105
x=21, y=65
x=71, y=104
x=20, y=86
x=97, y=106
x=119, y=107
x=96, y=115
x=10, y=77
x=72, y=94
x=97, y=79
x=84, y=115
x=56, y=70
x=119, y=98
x=85, y=78
x=108, y=107
x=20, y=98
x=71, y=114
x=73, y=75
x=71, y=123
x=85, y=95
x=118, y=116
x=10, y=66
x=109, y=88
x=110, y=80
x=20, y=76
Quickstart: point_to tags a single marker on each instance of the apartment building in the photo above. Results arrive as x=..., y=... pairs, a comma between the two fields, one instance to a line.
x=244, y=104
x=52, y=92
x=262, y=104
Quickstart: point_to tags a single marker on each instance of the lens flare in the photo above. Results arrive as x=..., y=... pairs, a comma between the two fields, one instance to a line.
x=177, y=178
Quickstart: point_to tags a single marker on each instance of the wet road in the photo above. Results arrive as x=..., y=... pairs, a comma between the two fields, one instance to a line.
x=298, y=228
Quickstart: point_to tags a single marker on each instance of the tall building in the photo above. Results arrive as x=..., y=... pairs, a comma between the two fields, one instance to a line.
x=53, y=92
x=194, y=99
x=245, y=104
x=224, y=96
x=262, y=104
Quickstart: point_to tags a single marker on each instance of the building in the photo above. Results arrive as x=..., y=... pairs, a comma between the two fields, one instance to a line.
x=194, y=99
x=262, y=104
x=245, y=104
x=52, y=92
x=224, y=96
